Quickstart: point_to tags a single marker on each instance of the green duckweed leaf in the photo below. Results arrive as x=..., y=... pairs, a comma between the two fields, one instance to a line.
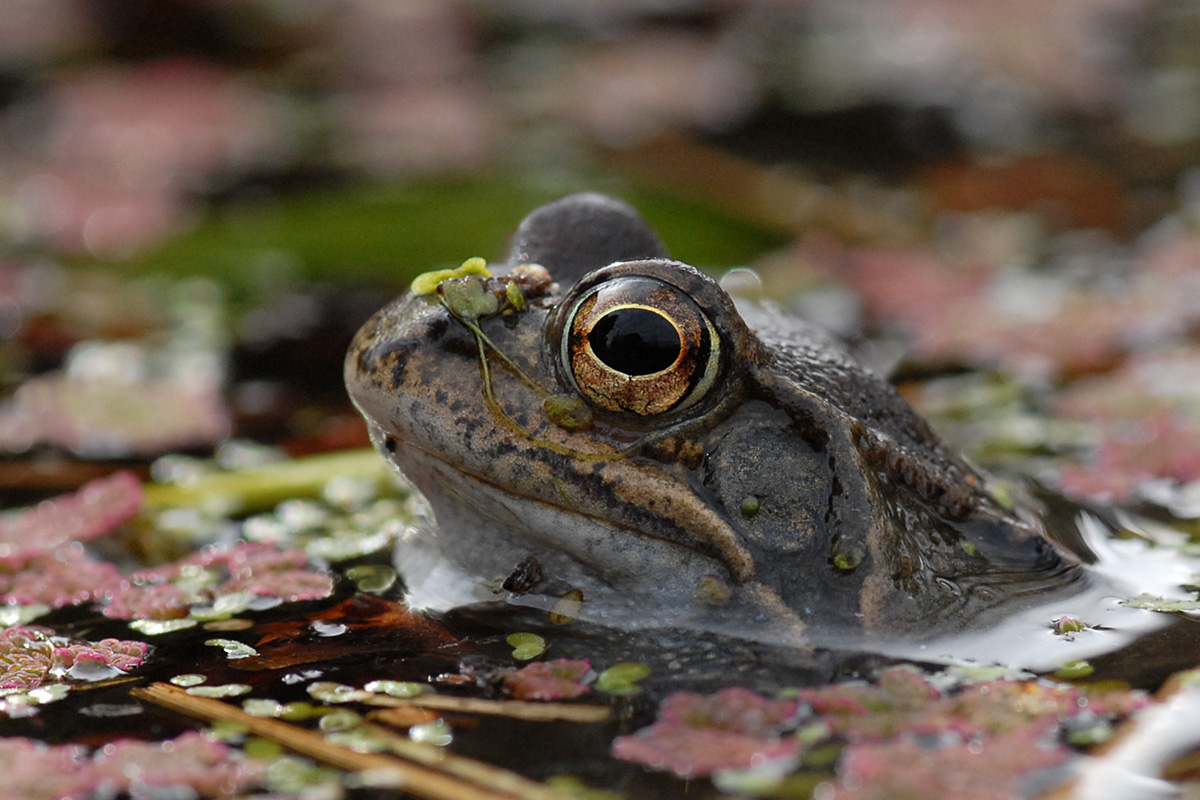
x=622, y=678
x=526, y=646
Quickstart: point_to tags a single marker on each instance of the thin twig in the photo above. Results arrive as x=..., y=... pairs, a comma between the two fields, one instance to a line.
x=515, y=709
x=468, y=769
x=423, y=770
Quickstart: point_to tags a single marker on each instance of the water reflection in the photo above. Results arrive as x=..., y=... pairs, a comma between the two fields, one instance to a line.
x=1119, y=640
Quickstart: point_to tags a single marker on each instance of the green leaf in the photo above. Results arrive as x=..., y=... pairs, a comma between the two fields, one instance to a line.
x=526, y=646
x=622, y=678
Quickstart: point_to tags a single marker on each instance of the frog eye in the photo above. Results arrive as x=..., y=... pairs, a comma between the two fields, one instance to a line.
x=640, y=345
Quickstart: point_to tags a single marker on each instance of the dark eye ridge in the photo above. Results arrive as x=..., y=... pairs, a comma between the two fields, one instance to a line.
x=635, y=341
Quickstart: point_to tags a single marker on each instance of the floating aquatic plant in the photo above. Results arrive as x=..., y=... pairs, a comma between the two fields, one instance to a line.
x=992, y=769
x=189, y=761
x=288, y=585
x=330, y=692
x=1067, y=626
x=217, y=582
x=234, y=649
x=549, y=680
x=156, y=601
x=622, y=678
x=902, y=736
x=34, y=771
x=732, y=729
x=526, y=646
x=118, y=654
x=26, y=657
x=31, y=657
x=1155, y=603
x=42, y=560
x=63, y=578
x=903, y=701
x=95, y=510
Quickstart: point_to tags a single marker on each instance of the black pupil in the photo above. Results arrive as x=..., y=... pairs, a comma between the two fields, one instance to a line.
x=635, y=341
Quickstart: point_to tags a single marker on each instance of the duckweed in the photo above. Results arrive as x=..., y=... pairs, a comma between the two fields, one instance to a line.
x=526, y=646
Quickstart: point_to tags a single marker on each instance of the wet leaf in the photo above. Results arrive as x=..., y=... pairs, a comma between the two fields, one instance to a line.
x=374, y=624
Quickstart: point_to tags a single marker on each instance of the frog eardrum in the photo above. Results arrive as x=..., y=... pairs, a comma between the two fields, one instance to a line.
x=636, y=344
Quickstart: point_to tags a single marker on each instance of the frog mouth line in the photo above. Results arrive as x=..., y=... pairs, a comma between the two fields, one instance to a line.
x=512, y=492
x=758, y=594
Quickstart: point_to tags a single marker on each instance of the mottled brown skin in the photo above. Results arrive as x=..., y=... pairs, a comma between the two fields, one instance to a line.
x=865, y=523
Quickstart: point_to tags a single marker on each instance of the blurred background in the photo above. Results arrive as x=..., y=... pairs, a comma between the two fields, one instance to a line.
x=200, y=200
x=127, y=124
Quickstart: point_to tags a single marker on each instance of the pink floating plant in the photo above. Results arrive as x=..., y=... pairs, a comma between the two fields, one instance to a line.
x=697, y=735
x=96, y=510
x=64, y=578
x=549, y=680
x=168, y=591
x=189, y=760
x=29, y=655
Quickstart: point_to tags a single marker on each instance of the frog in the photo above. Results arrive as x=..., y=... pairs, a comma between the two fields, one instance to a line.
x=603, y=432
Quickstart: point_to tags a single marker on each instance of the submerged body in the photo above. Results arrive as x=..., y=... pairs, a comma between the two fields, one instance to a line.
x=623, y=435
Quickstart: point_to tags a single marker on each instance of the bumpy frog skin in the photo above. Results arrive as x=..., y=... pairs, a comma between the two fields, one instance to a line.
x=718, y=466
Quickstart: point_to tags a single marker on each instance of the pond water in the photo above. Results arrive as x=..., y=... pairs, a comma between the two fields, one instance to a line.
x=340, y=664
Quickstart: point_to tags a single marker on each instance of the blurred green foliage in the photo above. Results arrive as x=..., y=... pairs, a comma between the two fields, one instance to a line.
x=389, y=233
